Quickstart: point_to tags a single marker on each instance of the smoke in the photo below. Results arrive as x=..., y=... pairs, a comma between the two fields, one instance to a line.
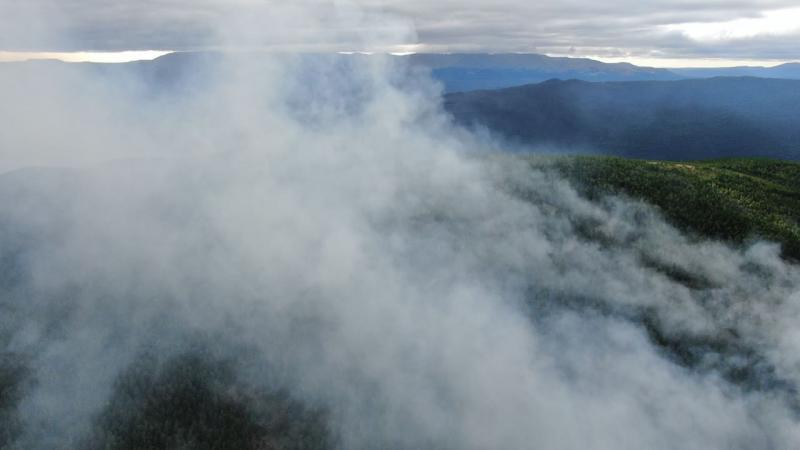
x=309, y=234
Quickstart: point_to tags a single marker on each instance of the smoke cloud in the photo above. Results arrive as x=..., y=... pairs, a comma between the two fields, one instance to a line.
x=311, y=234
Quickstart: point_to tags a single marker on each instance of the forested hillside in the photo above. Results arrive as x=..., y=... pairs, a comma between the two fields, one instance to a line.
x=730, y=199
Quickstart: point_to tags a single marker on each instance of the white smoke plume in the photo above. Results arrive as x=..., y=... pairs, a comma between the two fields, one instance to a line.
x=318, y=226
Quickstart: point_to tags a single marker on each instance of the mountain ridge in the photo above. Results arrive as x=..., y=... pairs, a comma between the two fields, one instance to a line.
x=455, y=71
x=459, y=72
x=673, y=120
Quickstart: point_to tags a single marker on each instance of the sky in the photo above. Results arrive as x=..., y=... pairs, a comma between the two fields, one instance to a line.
x=666, y=33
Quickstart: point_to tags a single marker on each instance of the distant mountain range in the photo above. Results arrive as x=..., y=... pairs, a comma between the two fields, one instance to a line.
x=788, y=70
x=684, y=119
x=617, y=109
x=455, y=72
x=467, y=72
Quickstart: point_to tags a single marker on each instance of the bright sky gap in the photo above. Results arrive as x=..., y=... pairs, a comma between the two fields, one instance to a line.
x=93, y=57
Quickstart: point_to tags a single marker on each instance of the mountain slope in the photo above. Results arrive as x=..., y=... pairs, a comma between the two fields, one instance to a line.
x=686, y=119
x=730, y=199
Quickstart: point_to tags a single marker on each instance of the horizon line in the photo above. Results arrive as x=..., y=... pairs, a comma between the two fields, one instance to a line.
x=125, y=56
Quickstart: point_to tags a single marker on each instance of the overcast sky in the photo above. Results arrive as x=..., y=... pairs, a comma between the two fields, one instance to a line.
x=659, y=32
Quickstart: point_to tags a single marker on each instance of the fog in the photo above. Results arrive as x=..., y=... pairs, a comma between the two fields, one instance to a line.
x=322, y=230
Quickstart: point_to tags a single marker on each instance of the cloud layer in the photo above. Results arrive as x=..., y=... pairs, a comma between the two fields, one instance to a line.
x=332, y=235
x=616, y=29
x=325, y=228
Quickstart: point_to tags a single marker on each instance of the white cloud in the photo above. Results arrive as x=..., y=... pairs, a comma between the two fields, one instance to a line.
x=348, y=241
x=97, y=57
x=771, y=23
x=661, y=28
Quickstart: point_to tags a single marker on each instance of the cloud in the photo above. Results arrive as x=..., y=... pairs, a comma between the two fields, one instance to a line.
x=424, y=294
x=323, y=226
x=776, y=23
x=620, y=27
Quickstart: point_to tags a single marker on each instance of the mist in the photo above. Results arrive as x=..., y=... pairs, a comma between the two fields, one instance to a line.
x=317, y=237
